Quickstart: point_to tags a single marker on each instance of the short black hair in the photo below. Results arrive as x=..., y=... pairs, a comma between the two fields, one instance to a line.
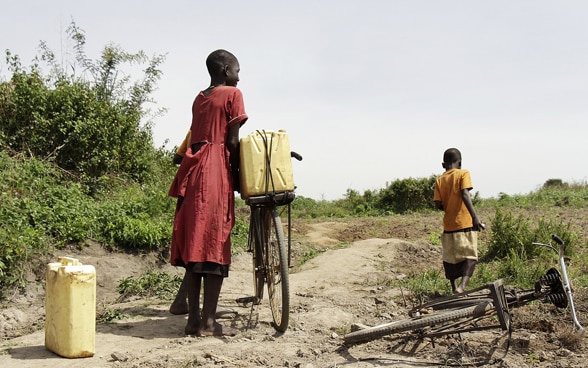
x=216, y=61
x=451, y=155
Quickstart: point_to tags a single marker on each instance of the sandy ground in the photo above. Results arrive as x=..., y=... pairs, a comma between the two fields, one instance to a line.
x=348, y=283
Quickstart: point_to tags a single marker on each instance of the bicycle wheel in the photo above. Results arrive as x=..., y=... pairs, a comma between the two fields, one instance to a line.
x=455, y=304
x=417, y=323
x=278, y=286
x=257, y=247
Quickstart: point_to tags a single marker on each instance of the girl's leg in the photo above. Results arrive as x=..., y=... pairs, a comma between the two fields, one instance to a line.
x=193, y=284
x=209, y=326
x=180, y=305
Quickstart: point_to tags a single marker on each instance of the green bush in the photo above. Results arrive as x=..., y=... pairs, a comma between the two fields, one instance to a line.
x=92, y=128
x=407, y=195
x=510, y=233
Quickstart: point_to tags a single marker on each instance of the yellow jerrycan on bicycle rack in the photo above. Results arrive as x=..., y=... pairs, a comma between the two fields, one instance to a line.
x=266, y=164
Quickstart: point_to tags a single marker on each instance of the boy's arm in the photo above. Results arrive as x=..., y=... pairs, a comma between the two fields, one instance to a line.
x=438, y=205
x=177, y=159
x=181, y=151
x=465, y=195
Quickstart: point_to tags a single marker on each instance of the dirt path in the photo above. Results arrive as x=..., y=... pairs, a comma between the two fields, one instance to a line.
x=328, y=294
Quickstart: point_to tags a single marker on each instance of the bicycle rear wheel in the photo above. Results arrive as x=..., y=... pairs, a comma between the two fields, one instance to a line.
x=417, y=323
x=277, y=267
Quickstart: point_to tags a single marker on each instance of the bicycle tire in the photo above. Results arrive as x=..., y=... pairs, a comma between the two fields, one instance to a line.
x=258, y=249
x=458, y=303
x=277, y=279
x=417, y=323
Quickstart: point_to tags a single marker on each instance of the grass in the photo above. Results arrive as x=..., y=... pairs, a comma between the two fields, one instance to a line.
x=150, y=284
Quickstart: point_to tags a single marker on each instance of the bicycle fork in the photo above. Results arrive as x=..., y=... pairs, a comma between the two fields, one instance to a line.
x=568, y=291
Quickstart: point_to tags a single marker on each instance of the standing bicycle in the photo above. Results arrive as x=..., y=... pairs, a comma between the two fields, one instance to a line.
x=267, y=186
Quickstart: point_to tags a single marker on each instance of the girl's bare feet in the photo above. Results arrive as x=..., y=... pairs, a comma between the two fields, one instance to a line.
x=192, y=327
x=218, y=330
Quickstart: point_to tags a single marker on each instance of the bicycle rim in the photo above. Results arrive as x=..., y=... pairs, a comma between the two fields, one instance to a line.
x=277, y=268
x=417, y=323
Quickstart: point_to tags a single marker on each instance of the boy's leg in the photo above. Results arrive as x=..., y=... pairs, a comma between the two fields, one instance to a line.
x=193, y=284
x=464, y=284
x=468, y=271
x=453, y=287
x=209, y=326
x=180, y=304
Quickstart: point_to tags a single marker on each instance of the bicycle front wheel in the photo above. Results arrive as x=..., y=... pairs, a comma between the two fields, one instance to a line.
x=278, y=286
x=417, y=323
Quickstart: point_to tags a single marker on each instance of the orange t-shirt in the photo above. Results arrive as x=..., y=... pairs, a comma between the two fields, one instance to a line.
x=448, y=189
x=181, y=151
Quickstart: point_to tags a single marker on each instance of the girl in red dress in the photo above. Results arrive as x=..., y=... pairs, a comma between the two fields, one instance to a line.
x=204, y=185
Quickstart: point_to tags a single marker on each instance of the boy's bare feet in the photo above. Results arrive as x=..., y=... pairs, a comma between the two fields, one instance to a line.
x=218, y=330
x=458, y=290
x=179, y=308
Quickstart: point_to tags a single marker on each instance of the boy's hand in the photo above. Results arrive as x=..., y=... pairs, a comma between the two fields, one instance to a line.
x=236, y=181
x=478, y=225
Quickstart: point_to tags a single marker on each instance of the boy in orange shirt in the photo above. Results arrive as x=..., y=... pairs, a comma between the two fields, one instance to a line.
x=460, y=222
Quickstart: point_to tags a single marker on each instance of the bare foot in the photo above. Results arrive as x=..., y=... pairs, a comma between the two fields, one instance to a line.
x=178, y=308
x=458, y=290
x=192, y=328
x=218, y=330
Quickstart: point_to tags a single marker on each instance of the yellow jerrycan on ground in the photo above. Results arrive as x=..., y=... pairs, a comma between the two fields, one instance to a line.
x=70, y=308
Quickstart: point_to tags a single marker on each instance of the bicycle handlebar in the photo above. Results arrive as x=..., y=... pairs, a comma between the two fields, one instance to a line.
x=296, y=155
x=557, y=239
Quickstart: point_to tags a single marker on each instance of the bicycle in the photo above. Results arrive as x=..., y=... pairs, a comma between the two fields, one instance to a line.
x=473, y=310
x=270, y=254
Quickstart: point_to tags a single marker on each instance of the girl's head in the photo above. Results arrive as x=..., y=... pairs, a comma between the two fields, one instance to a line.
x=223, y=68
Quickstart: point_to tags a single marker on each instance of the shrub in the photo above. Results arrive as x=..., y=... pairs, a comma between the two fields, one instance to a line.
x=407, y=195
x=517, y=233
x=92, y=128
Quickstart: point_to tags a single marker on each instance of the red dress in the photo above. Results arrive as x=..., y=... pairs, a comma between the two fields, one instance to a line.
x=202, y=225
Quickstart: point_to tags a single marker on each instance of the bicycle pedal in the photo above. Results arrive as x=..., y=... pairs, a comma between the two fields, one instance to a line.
x=246, y=299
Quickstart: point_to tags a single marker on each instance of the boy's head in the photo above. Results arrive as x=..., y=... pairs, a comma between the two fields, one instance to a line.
x=223, y=66
x=451, y=159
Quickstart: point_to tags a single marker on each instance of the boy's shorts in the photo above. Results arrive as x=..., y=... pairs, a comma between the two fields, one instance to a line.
x=459, y=246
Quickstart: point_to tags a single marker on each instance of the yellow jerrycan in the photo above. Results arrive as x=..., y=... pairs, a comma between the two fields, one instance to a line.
x=70, y=308
x=266, y=165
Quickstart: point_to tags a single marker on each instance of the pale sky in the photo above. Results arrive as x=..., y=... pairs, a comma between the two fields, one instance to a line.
x=368, y=91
